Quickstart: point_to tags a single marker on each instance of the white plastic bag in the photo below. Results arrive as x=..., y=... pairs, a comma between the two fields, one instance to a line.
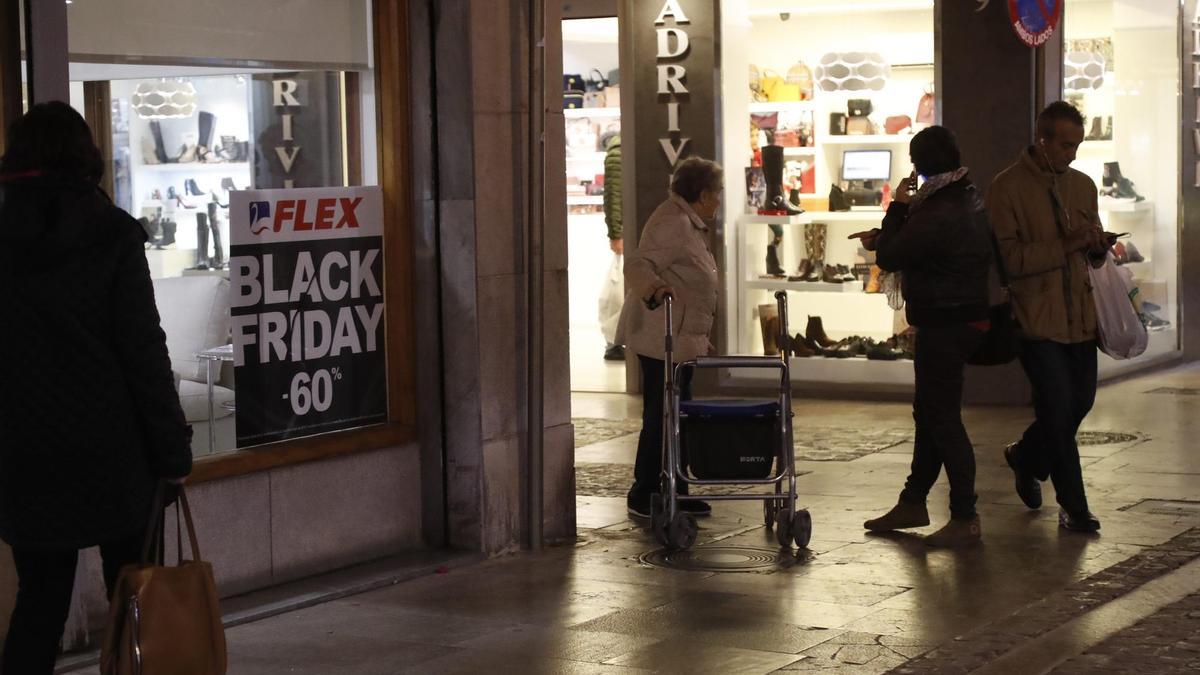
x=1121, y=332
x=612, y=297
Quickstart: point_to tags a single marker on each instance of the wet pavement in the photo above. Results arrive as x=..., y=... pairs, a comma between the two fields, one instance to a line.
x=852, y=603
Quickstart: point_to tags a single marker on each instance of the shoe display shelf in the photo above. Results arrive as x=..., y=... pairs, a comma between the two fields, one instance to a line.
x=597, y=113
x=845, y=307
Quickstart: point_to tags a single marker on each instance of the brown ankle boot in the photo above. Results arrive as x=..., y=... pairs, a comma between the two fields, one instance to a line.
x=902, y=516
x=815, y=331
x=956, y=533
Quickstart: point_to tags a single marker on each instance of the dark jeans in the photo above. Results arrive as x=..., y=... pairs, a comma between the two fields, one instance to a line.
x=1064, y=388
x=45, y=579
x=648, y=466
x=941, y=354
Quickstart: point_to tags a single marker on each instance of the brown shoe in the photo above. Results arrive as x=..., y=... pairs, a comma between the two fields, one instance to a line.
x=801, y=348
x=956, y=533
x=902, y=516
x=830, y=275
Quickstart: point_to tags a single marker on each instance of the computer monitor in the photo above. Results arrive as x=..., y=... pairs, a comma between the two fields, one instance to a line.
x=862, y=165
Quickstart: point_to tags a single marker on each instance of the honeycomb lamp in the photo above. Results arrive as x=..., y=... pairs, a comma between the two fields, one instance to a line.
x=852, y=71
x=1083, y=71
x=164, y=99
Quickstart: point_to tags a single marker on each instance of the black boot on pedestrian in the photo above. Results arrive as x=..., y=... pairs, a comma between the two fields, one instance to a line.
x=902, y=516
x=1078, y=522
x=1028, y=487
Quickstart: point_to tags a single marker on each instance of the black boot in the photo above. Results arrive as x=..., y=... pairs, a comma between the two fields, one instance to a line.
x=214, y=225
x=1112, y=174
x=773, y=267
x=837, y=199
x=795, y=200
x=204, y=144
x=190, y=187
x=160, y=150
x=201, y=241
x=168, y=234
x=775, y=203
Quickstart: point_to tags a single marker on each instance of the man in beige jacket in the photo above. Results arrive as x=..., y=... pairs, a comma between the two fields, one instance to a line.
x=1047, y=225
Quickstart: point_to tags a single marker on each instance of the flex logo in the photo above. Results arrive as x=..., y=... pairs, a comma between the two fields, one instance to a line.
x=300, y=215
x=259, y=211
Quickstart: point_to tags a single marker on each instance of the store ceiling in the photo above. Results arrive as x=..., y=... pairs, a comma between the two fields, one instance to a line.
x=801, y=7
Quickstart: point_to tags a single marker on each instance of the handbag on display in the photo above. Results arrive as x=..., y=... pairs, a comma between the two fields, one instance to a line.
x=572, y=100
x=788, y=138
x=595, y=99
x=859, y=107
x=756, y=90
x=837, y=124
x=777, y=89
x=614, y=77
x=999, y=344
x=765, y=120
x=596, y=81
x=897, y=123
x=573, y=82
x=859, y=126
x=165, y=619
x=837, y=199
x=801, y=76
x=925, y=108
x=612, y=95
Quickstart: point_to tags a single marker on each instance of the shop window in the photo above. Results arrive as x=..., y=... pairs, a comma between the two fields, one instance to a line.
x=820, y=103
x=199, y=105
x=1121, y=70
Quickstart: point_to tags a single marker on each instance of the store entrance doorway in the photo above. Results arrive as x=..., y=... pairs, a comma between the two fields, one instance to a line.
x=591, y=86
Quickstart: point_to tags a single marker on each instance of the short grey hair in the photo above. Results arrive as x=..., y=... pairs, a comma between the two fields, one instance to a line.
x=694, y=175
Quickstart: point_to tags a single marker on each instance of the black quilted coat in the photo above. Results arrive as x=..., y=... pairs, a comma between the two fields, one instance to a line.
x=89, y=416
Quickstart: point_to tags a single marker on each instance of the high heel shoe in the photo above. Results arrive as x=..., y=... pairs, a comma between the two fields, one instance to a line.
x=815, y=331
x=216, y=200
x=227, y=184
x=178, y=199
x=190, y=187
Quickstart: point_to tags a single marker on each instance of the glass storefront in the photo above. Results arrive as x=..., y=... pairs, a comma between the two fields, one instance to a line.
x=1121, y=70
x=200, y=109
x=829, y=117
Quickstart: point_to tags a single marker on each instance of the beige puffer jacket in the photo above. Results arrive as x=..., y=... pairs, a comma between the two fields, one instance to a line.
x=673, y=251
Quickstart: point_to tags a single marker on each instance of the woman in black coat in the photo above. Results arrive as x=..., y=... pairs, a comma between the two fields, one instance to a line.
x=90, y=420
x=938, y=239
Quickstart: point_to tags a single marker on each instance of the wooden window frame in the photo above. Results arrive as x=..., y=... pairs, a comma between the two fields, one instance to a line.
x=390, y=26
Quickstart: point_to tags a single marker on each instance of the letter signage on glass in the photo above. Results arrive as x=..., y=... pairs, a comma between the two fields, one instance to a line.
x=306, y=273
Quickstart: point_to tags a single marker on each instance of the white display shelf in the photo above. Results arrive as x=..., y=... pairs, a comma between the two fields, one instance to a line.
x=825, y=371
x=579, y=200
x=575, y=113
x=875, y=139
x=799, y=150
x=1097, y=146
x=586, y=157
x=197, y=166
x=864, y=216
x=1123, y=205
x=806, y=286
x=781, y=106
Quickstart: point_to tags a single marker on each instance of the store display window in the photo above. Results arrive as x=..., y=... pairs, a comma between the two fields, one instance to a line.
x=1121, y=70
x=196, y=106
x=820, y=102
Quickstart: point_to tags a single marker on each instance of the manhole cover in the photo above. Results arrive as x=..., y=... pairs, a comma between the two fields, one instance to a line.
x=717, y=559
x=1176, y=391
x=1103, y=438
x=1166, y=507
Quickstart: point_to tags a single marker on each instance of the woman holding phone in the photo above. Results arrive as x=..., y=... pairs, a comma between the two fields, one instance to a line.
x=938, y=238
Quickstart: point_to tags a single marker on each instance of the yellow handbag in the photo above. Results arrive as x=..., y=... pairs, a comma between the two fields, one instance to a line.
x=777, y=89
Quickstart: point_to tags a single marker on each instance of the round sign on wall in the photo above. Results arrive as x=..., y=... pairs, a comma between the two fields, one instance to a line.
x=1035, y=20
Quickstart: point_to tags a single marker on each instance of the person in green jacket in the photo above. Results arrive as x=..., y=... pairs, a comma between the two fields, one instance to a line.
x=612, y=218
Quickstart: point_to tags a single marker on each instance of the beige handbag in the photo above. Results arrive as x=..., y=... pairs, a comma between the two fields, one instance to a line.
x=165, y=620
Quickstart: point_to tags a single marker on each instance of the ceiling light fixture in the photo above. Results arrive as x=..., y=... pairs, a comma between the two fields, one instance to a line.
x=164, y=99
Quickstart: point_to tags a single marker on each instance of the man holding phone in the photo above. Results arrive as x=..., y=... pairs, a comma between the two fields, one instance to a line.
x=1045, y=217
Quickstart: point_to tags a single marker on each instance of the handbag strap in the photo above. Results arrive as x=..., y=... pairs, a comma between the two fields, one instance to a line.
x=191, y=527
x=597, y=78
x=153, y=542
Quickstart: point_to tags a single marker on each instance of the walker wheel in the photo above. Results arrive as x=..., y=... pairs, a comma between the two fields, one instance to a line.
x=682, y=532
x=770, y=508
x=783, y=528
x=802, y=528
x=658, y=519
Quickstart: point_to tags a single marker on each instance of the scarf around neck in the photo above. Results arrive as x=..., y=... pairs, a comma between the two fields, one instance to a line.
x=935, y=183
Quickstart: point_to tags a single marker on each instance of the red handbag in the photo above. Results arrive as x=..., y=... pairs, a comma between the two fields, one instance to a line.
x=788, y=138
x=897, y=123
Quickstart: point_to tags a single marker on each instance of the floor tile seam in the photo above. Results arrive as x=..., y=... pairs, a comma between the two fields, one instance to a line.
x=964, y=644
x=1092, y=628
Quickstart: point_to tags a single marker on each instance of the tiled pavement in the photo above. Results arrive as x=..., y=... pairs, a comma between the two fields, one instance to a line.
x=854, y=603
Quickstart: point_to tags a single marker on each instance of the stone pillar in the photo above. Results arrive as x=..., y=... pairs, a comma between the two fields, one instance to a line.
x=990, y=86
x=483, y=153
x=1189, y=234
